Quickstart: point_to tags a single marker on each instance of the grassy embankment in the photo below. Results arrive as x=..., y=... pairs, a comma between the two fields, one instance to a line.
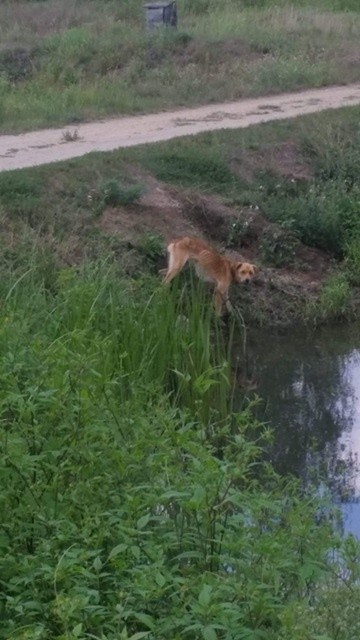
x=66, y=62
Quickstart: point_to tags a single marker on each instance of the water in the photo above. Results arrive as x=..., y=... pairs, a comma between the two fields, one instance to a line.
x=310, y=389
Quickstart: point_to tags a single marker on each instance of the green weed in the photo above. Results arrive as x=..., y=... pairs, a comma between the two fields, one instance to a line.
x=116, y=194
x=335, y=295
x=334, y=300
x=238, y=231
x=278, y=247
x=323, y=214
x=151, y=246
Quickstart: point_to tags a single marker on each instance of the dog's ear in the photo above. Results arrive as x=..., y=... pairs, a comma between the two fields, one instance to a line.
x=234, y=268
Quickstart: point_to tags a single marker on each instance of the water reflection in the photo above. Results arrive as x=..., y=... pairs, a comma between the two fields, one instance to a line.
x=310, y=386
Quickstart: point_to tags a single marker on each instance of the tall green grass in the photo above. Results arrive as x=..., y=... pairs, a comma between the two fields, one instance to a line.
x=160, y=342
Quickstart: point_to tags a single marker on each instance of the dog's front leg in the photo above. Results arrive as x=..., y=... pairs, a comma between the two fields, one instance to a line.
x=218, y=302
x=221, y=297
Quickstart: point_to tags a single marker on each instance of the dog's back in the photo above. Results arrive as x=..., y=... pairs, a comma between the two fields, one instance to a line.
x=209, y=264
x=192, y=246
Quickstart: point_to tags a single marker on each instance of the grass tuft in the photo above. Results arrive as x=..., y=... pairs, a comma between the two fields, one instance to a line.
x=115, y=193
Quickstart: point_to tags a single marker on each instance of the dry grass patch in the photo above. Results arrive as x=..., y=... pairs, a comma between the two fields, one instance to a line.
x=23, y=22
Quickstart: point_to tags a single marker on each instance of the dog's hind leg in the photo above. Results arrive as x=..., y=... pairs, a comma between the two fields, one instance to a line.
x=176, y=262
x=221, y=296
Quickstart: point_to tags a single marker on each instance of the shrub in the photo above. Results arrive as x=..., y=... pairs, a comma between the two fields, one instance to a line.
x=151, y=246
x=323, y=214
x=115, y=193
x=278, y=246
x=238, y=231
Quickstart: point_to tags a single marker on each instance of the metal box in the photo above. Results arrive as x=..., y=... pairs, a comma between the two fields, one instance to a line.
x=160, y=14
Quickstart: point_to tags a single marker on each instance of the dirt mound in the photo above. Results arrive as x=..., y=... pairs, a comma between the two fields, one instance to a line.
x=159, y=211
x=171, y=213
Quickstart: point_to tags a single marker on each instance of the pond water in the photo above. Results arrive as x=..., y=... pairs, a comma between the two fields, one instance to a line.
x=309, y=384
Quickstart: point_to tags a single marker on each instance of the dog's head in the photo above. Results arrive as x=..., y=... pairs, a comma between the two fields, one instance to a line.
x=244, y=271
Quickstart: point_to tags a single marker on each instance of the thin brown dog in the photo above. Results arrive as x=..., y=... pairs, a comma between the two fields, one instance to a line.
x=209, y=265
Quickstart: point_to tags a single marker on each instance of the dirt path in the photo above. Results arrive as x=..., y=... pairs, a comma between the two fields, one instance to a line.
x=49, y=145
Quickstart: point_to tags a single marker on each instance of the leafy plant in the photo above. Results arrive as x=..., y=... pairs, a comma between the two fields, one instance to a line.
x=278, y=247
x=151, y=246
x=238, y=230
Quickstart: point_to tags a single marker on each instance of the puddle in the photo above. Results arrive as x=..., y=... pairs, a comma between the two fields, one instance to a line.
x=310, y=389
